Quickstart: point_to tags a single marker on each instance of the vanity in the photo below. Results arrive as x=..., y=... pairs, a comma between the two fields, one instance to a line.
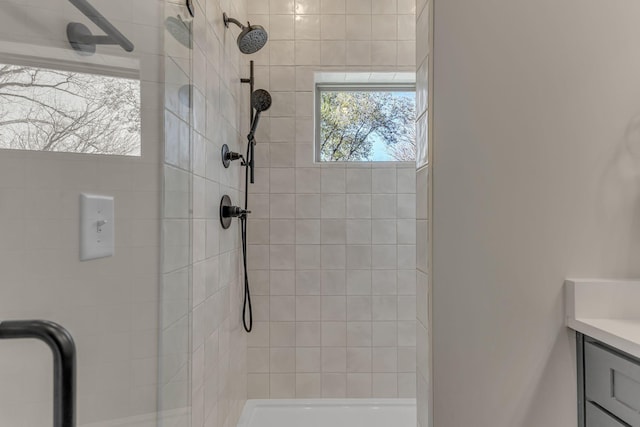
x=606, y=316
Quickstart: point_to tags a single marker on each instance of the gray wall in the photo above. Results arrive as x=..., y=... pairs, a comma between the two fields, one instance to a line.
x=534, y=180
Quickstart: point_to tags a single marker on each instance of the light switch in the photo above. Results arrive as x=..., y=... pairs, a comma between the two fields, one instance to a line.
x=96, y=227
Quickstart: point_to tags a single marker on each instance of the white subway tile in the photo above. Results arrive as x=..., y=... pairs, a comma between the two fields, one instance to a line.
x=359, y=181
x=308, y=334
x=282, y=359
x=308, y=386
x=334, y=308
x=334, y=359
x=359, y=231
x=359, y=206
x=307, y=231
x=334, y=386
x=359, y=359
x=333, y=282
x=359, y=334
x=308, y=308
x=385, y=385
x=359, y=385
x=308, y=282
x=334, y=334
x=359, y=282
x=282, y=334
x=282, y=386
x=384, y=206
x=385, y=359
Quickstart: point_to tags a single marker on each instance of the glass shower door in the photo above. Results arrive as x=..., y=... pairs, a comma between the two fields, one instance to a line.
x=81, y=112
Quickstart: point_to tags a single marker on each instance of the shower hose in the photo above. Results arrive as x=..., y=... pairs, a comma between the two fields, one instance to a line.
x=247, y=310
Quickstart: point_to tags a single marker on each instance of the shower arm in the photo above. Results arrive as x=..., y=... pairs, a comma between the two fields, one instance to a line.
x=233, y=21
x=113, y=35
x=64, y=362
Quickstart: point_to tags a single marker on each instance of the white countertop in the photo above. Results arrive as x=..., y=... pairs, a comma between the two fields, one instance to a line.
x=607, y=310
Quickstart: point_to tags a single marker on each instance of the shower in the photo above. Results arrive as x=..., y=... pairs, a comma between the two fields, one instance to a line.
x=251, y=39
x=260, y=102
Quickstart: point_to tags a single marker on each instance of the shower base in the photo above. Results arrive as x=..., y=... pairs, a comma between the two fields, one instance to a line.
x=329, y=413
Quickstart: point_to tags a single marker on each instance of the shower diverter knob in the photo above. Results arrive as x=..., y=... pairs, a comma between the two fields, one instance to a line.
x=228, y=212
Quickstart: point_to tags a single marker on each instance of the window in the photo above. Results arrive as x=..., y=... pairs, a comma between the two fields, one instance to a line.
x=365, y=122
x=52, y=110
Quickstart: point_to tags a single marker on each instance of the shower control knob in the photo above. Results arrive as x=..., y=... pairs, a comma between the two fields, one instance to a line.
x=235, y=212
x=228, y=212
x=229, y=156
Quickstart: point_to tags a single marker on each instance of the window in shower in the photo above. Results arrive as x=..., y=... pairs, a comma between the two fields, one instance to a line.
x=365, y=122
x=68, y=111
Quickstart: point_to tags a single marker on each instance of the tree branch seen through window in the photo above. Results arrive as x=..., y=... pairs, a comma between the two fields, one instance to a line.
x=50, y=110
x=367, y=126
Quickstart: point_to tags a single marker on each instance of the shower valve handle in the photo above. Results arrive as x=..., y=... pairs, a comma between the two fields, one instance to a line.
x=228, y=211
x=229, y=156
x=233, y=156
x=234, y=212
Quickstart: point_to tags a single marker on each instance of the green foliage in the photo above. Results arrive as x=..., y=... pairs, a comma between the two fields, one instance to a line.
x=352, y=121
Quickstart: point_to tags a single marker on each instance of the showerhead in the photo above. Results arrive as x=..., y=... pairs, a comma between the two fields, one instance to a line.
x=180, y=30
x=261, y=100
x=251, y=39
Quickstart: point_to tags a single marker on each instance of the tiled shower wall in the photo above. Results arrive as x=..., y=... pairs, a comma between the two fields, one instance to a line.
x=332, y=247
x=423, y=299
x=203, y=363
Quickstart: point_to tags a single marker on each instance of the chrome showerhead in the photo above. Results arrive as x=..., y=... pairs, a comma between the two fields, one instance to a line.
x=261, y=100
x=251, y=39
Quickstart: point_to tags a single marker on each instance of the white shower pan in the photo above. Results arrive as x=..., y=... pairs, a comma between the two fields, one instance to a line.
x=329, y=413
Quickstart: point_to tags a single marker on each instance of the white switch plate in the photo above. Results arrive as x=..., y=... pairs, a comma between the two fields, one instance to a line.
x=96, y=226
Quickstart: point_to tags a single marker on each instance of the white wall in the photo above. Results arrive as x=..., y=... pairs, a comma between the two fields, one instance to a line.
x=334, y=305
x=534, y=181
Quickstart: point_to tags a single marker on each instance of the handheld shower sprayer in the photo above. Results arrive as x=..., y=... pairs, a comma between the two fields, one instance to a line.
x=260, y=101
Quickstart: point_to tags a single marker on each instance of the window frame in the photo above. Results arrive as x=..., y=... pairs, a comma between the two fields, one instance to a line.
x=351, y=87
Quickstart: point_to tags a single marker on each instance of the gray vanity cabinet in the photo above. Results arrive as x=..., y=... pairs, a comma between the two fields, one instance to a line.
x=597, y=417
x=609, y=386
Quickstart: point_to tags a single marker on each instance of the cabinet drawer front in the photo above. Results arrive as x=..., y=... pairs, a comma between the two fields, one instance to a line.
x=613, y=382
x=598, y=418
